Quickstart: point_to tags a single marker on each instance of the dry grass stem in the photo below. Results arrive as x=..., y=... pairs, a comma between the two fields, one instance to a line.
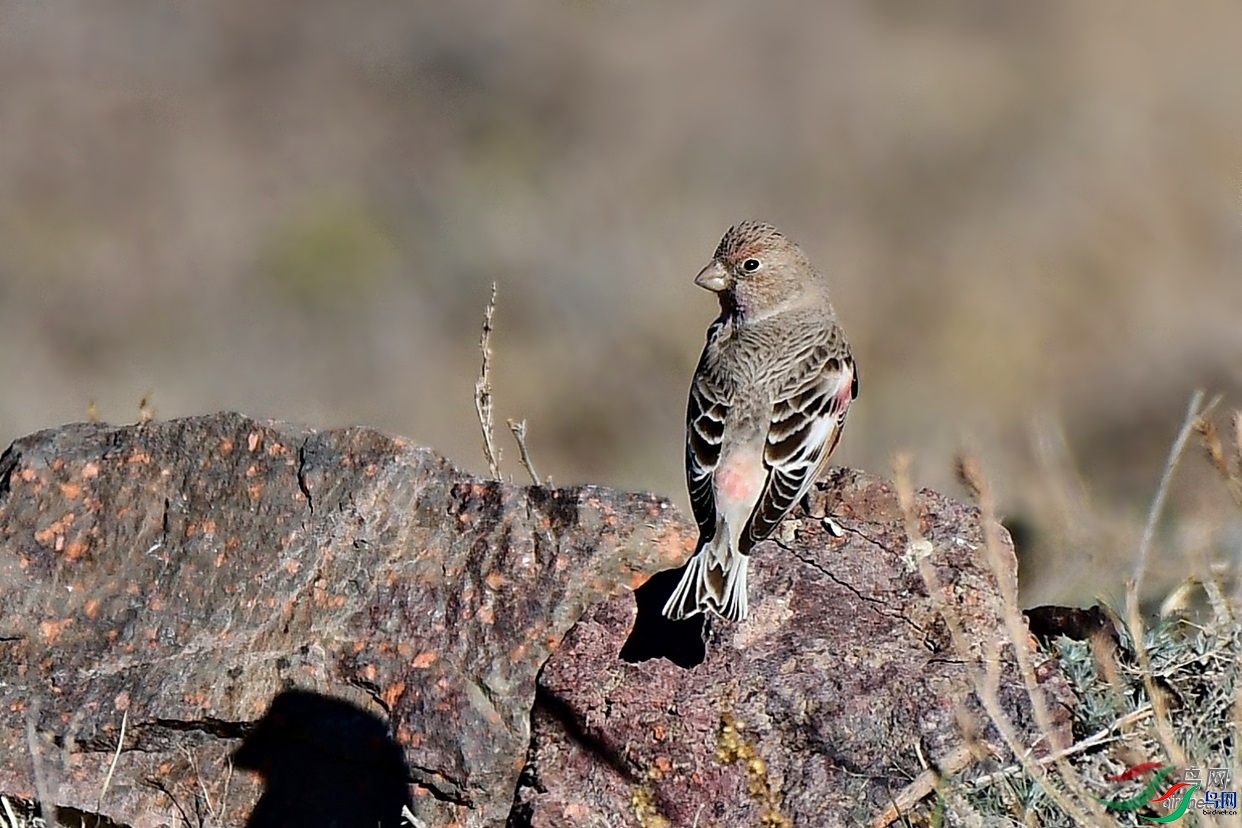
x=483, y=390
x=1193, y=413
x=987, y=681
x=192, y=761
x=36, y=754
x=1015, y=623
x=1134, y=616
x=228, y=782
x=1100, y=737
x=120, y=743
x=518, y=427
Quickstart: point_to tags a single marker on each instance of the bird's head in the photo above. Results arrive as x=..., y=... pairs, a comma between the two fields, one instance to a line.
x=755, y=268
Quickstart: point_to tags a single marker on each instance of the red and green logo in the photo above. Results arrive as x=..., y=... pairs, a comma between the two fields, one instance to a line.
x=1149, y=795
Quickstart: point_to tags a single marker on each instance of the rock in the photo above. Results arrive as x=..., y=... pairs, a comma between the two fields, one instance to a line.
x=288, y=627
x=328, y=595
x=817, y=710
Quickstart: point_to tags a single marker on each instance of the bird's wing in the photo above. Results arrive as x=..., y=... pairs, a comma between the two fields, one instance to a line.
x=705, y=423
x=807, y=417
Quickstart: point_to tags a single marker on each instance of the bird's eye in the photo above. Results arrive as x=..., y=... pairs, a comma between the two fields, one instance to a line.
x=750, y=265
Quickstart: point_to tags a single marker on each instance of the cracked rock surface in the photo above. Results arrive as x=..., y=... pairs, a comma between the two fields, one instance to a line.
x=817, y=710
x=280, y=626
x=362, y=619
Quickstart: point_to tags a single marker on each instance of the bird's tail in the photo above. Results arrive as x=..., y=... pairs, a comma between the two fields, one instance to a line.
x=715, y=579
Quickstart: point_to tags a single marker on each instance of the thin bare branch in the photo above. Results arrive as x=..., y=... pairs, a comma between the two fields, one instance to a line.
x=483, y=390
x=518, y=427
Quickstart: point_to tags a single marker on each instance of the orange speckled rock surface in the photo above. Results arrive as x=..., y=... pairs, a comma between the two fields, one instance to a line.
x=815, y=711
x=361, y=619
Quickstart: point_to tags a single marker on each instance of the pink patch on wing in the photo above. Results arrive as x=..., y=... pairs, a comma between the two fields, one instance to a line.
x=845, y=390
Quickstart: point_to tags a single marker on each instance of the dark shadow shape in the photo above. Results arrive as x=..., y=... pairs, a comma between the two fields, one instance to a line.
x=682, y=642
x=324, y=761
x=1050, y=622
x=562, y=712
x=1022, y=532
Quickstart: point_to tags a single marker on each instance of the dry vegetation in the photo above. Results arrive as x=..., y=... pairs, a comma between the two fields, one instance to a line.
x=1165, y=692
x=1032, y=214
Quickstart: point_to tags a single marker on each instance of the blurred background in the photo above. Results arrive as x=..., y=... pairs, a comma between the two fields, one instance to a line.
x=1031, y=213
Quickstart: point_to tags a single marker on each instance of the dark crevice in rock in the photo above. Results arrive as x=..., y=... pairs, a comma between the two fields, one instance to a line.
x=85, y=819
x=374, y=692
x=301, y=475
x=439, y=786
x=858, y=533
x=212, y=727
x=521, y=815
x=957, y=662
x=164, y=519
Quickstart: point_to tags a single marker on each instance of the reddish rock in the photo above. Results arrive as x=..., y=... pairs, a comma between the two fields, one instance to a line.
x=312, y=628
x=185, y=574
x=817, y=710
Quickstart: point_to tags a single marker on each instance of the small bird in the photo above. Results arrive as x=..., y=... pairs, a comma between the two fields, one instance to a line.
x=767, y=406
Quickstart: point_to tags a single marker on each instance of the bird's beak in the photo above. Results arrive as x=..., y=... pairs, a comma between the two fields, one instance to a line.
x=714, y=277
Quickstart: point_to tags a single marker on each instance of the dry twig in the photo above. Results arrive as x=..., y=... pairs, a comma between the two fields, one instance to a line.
x=518, y=427
x=483, y=390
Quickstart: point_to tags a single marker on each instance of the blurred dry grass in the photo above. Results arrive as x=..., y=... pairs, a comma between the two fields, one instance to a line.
x=1032, y=214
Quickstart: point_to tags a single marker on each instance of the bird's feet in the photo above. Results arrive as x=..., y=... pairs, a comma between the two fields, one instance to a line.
x=835, y=529
x=826, y=520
